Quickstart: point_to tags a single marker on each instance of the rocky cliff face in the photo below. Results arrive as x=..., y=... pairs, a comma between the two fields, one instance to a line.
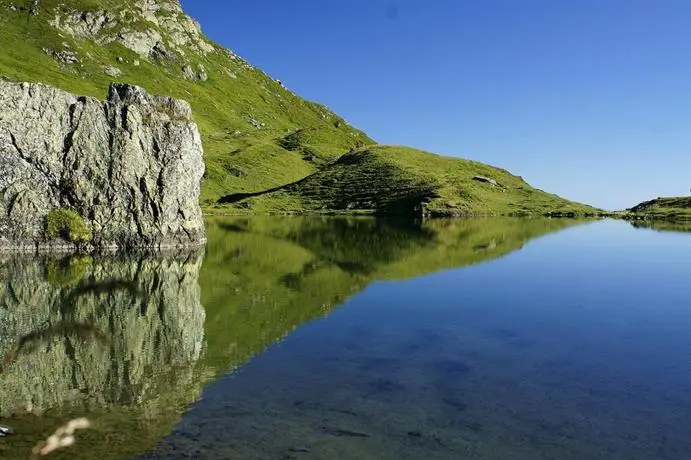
x=128, y=169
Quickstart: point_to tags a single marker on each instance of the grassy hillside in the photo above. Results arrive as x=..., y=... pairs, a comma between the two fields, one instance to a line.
x=259, y=137
x=243, y=114
x=400, y=180
x=678, y=208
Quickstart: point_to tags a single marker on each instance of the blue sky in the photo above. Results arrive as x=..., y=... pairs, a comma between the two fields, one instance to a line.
x=589, y=99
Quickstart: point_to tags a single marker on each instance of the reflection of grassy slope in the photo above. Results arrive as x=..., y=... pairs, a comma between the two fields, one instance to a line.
x=249, y=297
x=462, y=242
x=396, y=180
x=663, y=225
x=262, y=277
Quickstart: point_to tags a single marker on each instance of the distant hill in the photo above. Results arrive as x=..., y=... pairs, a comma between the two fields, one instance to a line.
x=259, y=137
x=664, y=208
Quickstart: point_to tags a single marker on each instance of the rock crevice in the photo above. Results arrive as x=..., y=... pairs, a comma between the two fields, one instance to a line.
x=130, y=166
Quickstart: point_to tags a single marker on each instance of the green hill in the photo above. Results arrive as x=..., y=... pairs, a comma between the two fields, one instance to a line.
x=258, y=136
x=678, y=208
x=243, y=114
x=400, y=180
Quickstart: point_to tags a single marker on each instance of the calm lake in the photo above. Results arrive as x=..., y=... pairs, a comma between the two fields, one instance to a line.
x=311, y=338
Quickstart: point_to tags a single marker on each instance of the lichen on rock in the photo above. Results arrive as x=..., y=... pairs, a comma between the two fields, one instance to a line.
x=67, y=224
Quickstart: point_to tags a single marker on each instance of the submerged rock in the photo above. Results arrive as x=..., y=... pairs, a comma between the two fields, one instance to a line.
x=125, y=172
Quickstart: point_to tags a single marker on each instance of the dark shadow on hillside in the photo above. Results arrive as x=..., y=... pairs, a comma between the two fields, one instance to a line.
x=355, y=183
x=241, y=196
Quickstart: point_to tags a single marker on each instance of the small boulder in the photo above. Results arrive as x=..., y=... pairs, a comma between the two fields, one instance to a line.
x=201, y=74
x=64, y=57
x=112, y=71
x=486, y=180
x=236, y=171
x=159, y=50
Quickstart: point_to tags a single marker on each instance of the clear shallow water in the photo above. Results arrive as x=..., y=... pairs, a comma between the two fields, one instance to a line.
x=352, y=339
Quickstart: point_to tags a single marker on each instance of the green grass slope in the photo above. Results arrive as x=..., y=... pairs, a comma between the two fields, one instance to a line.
x=243, y=114
x=401, y=180
x=260, y=139
x=678, y=208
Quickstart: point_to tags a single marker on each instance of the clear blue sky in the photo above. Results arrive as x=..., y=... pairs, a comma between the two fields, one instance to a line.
x=589, y=99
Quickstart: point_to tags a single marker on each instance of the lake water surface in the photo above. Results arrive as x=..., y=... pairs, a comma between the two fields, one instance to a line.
x=296, y=338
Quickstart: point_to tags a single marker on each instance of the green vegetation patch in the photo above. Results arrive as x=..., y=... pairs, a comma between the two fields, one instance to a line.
x=68, y=225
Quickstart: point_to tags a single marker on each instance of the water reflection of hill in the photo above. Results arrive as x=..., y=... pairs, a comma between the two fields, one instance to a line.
x=663, y=225
x=131, y=341
x=264, y=276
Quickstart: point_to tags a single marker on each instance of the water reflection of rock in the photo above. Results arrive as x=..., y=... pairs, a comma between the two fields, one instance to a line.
x=90, y=334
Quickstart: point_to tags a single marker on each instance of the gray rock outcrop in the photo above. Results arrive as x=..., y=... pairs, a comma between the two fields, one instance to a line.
x=130, y=167
x=155, y=21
